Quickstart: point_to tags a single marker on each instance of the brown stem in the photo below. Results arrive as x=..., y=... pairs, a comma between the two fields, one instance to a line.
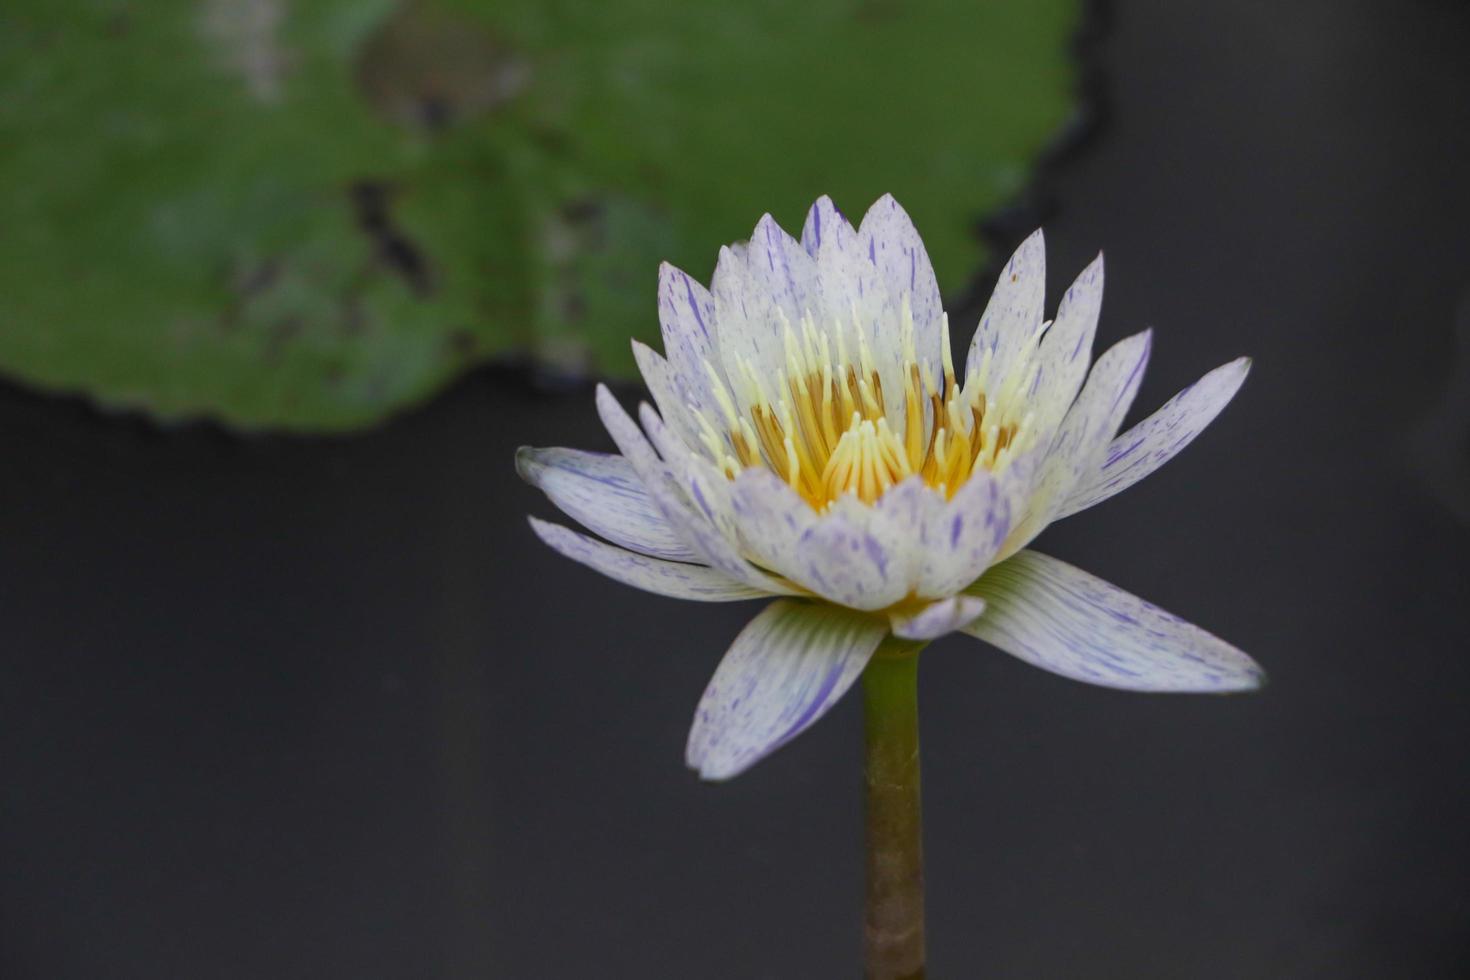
x=895, y=912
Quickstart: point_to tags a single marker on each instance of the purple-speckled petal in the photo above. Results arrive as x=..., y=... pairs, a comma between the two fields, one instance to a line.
x=1157, y=439
x=1062, y=619
x=603, y=493
x=898, y=520
x=772, y=518
x=852, y=554
x=668, y=578
x=686, y=312
x=860, y=303
x=672, y=495
x=825, y=227
x=1012, y=318
x=1085, y=431
x=659, y=378
x=893, y=245
x=759, y=290
x=961, y=539
x=706, y=488
x=786, y=668
x=938, y=618
x=1066, y=348
x=842, y=560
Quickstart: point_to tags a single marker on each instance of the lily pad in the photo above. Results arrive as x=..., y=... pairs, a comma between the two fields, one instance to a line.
x=307, y=215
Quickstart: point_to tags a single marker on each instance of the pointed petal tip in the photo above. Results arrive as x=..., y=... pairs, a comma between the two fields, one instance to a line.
x=1253, y=678
x=545, y=530
x=771, y=229
x=606, y=400
x=527, y=468
x=710, y=772
x=649, y=416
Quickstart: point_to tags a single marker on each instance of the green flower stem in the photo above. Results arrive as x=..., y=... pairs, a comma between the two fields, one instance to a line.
x=894, y=928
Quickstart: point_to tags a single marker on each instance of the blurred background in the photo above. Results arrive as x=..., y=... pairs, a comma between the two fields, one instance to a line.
x=290, y=690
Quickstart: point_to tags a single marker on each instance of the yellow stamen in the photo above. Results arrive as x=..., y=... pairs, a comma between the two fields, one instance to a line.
x=826, y=432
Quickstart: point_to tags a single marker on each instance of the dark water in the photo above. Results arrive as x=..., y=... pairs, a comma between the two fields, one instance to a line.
x=296, y=709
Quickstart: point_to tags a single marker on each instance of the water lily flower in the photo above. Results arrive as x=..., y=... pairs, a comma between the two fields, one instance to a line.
x=815, y=442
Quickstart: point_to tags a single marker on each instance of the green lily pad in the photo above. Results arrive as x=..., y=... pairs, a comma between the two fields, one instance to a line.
x=307, y=215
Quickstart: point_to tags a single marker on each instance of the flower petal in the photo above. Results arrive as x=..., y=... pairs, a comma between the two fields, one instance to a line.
x=857, y=556
x=761, y=289
x=1012, y=319
x=1066, y=348
x=686, y=313
x=894, y=247
x=938, y=618
x=861, y=308
x=825, y=226
x=660, y=379
x=961, y=539
x=842, y=560
x=771, y=518
x=1062, y=619
x=603, y=493
x=1157, y=439
x=680, y=581
x=1084, y=433
x=706, y=488
x=785, y=669
x=671, y=494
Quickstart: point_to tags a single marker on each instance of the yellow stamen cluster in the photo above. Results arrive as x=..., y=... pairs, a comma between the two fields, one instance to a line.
x=826, y=431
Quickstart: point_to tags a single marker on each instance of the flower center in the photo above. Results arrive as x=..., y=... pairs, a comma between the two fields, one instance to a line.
x=824, y=426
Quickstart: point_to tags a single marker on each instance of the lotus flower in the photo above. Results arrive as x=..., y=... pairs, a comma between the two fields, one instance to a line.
x=814, y=443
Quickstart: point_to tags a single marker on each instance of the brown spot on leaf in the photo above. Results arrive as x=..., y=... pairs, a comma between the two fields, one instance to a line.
x=427, y=68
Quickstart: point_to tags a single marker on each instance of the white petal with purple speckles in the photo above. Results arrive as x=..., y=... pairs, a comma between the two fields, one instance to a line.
x=841, y=560
x=671, y=496
x=603, y=493
x=760, y=290
x=825, y=227
x=659, y=378
x=859, y=305
x=1066, y=348
x=1157, y=439
x=1062, y=619
x=706, y=488
x=791, y=664
x=862, y=557
x=938, y=618
x=894, y=247
x=772, y=519
x=1011, y=322
x=668, y=578
x=686, y=314
x=961, y=539
x=1085, y=431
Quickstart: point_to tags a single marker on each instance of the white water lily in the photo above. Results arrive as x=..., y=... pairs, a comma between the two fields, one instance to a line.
x=814, y=442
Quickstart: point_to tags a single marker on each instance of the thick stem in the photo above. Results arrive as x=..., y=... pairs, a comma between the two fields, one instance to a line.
x=895, y=913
